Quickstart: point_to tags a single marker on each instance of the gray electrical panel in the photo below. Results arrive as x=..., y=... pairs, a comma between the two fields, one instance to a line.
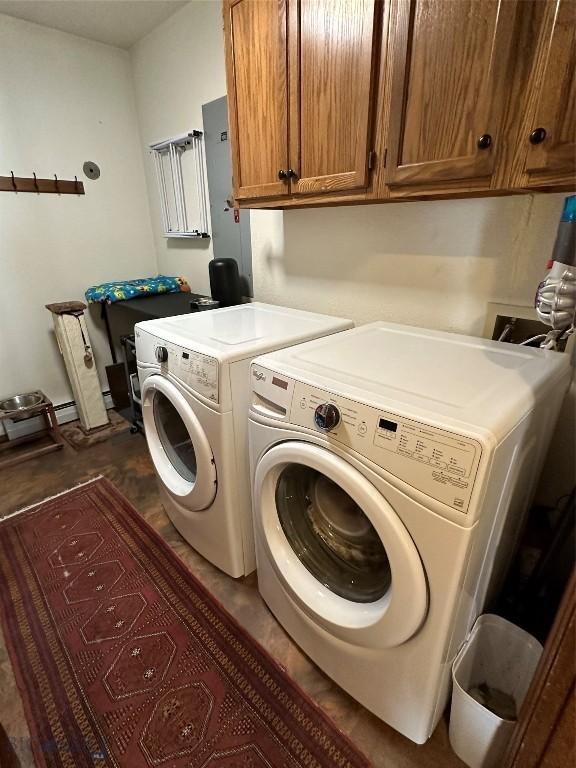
x=230, y=228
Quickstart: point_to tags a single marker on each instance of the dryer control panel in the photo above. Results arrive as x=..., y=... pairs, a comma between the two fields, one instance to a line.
x=441, y=464
x=195, y=369
x=198, y=371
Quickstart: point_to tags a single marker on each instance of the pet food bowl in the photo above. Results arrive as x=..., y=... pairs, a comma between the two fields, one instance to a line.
x=18, y=404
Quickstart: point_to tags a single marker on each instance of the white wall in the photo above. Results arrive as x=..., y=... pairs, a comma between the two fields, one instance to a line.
x=177, y=68
x=434, y=264
x=64, y=100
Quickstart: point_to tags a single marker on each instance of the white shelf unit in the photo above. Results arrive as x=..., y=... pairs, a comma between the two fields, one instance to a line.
x=179, y=164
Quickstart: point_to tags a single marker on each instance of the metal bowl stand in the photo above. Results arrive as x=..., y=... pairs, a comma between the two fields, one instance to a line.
x=45, y=409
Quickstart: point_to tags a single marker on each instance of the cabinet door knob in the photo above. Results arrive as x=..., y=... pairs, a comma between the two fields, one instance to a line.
x=485, y=141
x=282, y=174
x=291, y=174
x=537, y=136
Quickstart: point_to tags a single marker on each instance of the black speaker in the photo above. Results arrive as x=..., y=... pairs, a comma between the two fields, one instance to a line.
x=225, y=282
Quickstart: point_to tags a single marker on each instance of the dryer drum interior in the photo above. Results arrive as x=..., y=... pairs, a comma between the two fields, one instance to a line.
x=178, y=444
x=174, y=437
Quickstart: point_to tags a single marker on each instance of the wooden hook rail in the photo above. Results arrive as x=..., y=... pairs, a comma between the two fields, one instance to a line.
x=41, y=186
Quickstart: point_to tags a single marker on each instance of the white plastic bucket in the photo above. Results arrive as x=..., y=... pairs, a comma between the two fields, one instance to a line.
x=499, y=655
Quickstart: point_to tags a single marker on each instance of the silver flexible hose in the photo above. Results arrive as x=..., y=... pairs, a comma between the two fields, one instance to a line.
x=556, y=297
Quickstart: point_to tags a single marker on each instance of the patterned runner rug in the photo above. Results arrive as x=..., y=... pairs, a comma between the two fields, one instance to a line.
x=124, y=659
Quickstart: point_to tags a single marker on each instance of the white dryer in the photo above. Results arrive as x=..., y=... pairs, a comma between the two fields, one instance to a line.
x=194, y=377
x=391, y=470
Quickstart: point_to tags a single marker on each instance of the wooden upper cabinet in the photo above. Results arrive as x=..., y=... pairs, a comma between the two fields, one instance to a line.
x=547, y=138
x=356, y=100
x=332, y=71
x=449, y=61
x=256, y=51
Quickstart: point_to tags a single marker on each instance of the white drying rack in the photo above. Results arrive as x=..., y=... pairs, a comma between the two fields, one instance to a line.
x=182, y=185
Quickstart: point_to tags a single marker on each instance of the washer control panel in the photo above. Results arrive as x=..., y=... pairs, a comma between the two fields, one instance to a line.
x=198, y=371
x=441, y=464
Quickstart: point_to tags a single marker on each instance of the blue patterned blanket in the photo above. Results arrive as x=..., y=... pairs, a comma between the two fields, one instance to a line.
x=131, y=289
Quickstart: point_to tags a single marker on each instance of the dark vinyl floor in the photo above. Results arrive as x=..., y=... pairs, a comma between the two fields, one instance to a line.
x=124, y=460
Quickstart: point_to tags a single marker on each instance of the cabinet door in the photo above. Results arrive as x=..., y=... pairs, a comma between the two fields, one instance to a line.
x=332, y=50
x=448, y=90
x=256, y=52
x=548, y=139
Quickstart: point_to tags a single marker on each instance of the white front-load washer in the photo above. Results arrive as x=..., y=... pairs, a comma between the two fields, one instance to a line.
x=194, y=377
x=391, y=470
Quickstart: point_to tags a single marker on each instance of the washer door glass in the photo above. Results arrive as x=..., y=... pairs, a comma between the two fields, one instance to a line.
x=331, y=535
x=174, y=437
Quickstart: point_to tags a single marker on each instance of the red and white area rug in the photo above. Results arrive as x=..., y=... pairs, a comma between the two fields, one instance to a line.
x=124, y=659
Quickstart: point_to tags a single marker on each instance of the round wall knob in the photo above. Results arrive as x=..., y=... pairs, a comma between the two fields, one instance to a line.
x=282, y=174
x=326, y=417
x=537, y=136
x=485, y=141
x=161, y=354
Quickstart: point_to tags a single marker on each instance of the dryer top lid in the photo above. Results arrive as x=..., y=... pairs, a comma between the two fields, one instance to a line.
x=235, y=333
x=476, y=381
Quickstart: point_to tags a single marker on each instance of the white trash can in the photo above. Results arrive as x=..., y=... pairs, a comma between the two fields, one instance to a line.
x=495, y=666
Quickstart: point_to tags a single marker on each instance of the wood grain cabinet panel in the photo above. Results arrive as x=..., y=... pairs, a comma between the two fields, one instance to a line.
x=256, y=53
x=332, y=69
x=448, y=90
x=545, y=736
x=367, y=100
x=547, y=138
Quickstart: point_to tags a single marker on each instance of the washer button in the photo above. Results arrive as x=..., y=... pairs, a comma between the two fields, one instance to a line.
x=362, y=428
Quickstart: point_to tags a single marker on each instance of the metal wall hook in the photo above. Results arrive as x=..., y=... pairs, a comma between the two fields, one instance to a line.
x=13, y=180
x=35, y=182
x=56, y=183
x=76, y=184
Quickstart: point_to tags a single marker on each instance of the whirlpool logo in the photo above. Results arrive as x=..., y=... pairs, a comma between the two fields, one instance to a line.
x=258, y=375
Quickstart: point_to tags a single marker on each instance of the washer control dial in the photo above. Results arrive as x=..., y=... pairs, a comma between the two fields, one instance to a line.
x=327, y=417
x=161, y=354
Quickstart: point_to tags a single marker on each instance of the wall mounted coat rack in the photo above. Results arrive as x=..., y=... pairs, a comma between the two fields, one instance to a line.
x=41, y=186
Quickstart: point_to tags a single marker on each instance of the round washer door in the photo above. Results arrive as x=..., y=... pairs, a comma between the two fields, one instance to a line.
x=178, y=445
x=338, y=547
